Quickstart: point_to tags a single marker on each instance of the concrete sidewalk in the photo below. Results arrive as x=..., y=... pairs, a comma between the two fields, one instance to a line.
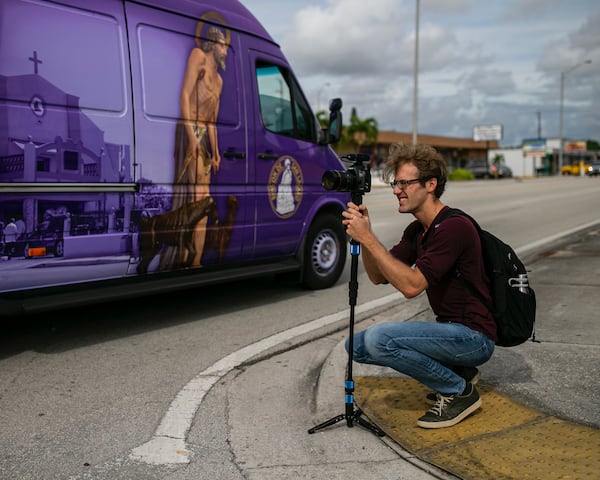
x=540, y=399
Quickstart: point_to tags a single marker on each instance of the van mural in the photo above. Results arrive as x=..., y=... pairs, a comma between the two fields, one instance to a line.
x=136, y=140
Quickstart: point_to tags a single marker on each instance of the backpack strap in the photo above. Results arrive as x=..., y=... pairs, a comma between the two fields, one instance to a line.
x=445, y=214
x=469, y=286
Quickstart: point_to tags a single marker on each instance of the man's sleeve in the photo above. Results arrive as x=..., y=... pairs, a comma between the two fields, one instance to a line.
x=406, y=249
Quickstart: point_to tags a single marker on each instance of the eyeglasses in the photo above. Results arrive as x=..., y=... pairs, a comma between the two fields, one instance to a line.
x=403, y=184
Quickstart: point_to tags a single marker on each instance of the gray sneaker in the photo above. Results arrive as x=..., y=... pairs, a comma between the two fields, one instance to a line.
x=449, y=410
x=470, y=374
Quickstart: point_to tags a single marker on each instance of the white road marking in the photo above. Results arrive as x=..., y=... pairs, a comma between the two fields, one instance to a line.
x=552, y=238
x=168, y=444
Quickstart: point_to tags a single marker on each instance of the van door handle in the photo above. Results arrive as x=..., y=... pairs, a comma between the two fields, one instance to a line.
x=268, y=156
x=231, y=153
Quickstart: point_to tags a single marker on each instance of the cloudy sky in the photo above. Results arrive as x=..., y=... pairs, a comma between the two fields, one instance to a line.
x=484, y=63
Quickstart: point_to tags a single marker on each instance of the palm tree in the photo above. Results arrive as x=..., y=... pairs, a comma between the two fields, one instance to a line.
x=361, y=132
x=323, y=118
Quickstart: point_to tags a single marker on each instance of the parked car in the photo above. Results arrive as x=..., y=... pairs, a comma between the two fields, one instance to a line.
x=503, y=171
x=42, y=243
x=481, y=169
x=47, y=239
x=593, y=169
x=574, y=169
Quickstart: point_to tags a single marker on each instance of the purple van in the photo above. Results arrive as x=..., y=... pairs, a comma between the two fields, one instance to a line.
x=155, y=145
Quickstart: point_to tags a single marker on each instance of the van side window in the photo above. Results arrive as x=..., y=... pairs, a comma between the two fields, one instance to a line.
x=283, y=108
x=162, y=79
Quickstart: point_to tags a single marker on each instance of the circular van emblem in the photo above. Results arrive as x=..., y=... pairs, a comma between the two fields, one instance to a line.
x=285, y=186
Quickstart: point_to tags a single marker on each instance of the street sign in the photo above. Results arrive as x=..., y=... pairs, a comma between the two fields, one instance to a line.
x=487, y=133
x=534, y=147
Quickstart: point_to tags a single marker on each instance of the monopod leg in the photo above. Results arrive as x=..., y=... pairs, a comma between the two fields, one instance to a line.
x=351, y=414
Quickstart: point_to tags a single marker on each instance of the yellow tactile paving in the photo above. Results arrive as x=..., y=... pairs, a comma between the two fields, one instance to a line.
x=502, y=440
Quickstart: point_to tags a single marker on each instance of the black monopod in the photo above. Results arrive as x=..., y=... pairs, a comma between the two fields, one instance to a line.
x=346, y=181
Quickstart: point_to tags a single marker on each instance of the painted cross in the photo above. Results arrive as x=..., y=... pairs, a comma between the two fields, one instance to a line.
x=35, y=61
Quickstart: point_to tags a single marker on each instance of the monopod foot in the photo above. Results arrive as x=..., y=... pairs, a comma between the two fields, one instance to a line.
x=355, y=417
x=327, y=423
x=366, y=424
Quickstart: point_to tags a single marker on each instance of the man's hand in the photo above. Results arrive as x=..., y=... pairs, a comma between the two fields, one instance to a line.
x=356, y=220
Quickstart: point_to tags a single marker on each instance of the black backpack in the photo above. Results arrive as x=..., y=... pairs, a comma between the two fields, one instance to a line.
x=513, y=299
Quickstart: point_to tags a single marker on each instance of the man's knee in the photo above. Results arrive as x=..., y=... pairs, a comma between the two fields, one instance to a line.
x=367, y=345
x=375, y=339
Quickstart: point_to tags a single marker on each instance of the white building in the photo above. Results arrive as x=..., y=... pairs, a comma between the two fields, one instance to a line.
x=515, y=158
x=529, y=159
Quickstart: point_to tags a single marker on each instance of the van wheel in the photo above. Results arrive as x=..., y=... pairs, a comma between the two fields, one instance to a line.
x=325, y=254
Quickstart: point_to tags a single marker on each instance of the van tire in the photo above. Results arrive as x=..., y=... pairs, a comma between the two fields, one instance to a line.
x=325, y=252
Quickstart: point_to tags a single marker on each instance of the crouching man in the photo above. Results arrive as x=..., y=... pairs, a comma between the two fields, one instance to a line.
x=443, y=355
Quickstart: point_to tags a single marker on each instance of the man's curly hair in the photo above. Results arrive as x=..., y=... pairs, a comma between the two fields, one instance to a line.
x=427, y=159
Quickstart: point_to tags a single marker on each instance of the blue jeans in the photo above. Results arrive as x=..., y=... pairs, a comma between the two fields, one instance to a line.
x=424, y=351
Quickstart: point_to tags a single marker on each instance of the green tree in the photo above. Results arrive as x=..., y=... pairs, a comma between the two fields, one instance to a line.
x=361, y=132
x=498, y=159
x=592, y=145
x=323, y=118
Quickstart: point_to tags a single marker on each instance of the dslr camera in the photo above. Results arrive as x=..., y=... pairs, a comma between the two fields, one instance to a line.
x=355, y=179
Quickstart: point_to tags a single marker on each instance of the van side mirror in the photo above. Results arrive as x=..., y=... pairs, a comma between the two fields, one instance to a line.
x=334, y=130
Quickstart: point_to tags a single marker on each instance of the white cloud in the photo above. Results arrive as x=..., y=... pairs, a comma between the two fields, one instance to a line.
x=479, y=62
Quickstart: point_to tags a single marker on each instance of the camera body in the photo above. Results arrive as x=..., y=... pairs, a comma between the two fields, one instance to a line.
x=355, y=179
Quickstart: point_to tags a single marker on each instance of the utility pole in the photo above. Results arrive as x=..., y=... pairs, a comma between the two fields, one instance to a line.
x=562, y=100
x=416, y=77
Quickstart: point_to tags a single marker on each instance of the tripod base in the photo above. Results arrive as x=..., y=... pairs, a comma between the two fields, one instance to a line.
x=351, y=418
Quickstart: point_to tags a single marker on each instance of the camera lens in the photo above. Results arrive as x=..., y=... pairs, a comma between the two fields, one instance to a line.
x=331, y=180
x=356, y=179
x=338, y=181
